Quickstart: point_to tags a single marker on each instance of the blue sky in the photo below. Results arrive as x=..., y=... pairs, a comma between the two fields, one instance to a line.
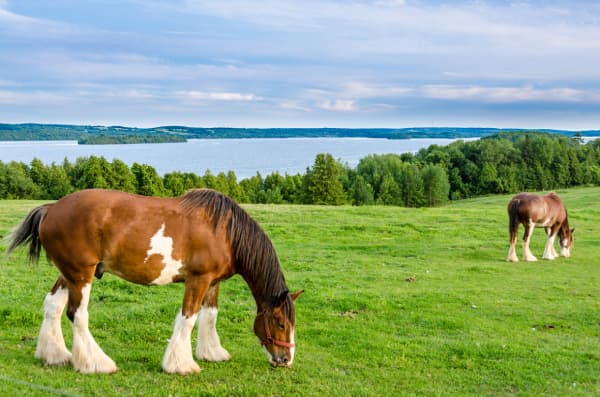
x=310, y=63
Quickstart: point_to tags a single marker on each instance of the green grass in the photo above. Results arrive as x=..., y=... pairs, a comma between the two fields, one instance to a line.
x=397, y=302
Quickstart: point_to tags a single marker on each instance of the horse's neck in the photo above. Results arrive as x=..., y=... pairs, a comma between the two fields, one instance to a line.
x=265, y=283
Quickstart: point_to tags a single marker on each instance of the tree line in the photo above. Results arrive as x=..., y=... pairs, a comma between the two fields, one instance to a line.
x=504, y=163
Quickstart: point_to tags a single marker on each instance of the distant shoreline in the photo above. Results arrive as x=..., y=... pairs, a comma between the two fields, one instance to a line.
x=126, y=135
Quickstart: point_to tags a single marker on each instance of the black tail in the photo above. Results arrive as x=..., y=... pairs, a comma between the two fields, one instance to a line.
x=28, y=232
x=513, y=219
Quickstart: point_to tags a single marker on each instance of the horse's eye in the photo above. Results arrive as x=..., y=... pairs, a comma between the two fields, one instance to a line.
x=281, y=325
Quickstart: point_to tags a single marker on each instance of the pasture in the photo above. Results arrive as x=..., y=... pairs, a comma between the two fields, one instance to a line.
x=397, y=302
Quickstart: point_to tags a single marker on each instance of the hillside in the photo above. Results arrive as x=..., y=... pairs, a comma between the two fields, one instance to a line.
x=117, y=134
x=397, y=302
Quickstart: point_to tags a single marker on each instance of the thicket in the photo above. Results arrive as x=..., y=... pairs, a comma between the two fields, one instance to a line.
x=505, y=163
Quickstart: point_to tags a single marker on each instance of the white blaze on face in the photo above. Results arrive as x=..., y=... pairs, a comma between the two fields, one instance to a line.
x=163, y=245
x=566, y=252
x=292, y=349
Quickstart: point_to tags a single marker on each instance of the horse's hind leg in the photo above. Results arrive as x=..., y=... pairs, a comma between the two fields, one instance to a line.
x=51, y=347
x=209, y=344
x=527, y=255
x=87, y=357
x=512, y=250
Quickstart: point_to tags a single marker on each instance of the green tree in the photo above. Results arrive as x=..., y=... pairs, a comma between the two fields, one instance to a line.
x=291, y=191
x=121, y=177
x=173, y=183
x=252, y=187
x=411, y=186
x=389, y=192
x=235, y=190
x=93, y=173
x=435, y=184
x=221, y=183
x=17, y=182
x=361, y=192
x=148, y=182
x=58, y=184
x=321, y=183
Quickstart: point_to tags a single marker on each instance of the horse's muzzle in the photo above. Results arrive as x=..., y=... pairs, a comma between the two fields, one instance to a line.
x=280, y=362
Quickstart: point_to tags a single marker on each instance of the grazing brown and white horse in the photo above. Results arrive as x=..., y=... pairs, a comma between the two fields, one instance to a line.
x=199, y=239
x=532, y=210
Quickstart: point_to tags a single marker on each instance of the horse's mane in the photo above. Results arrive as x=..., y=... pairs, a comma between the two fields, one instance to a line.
x=254, y=255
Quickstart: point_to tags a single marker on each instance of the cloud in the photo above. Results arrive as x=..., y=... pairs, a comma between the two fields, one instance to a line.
x=294, y=105
x=357, y=89
x=338, y=105
x=33, y=98
x=218, y=96
x=509, y=94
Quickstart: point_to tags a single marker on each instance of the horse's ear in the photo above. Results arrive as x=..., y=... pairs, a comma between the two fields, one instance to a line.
x=572, y=230
x=296, y=294
x=279, y=300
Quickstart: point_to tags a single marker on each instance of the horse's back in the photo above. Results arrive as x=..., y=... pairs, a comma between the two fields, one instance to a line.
x=535, y=207
x=115, y=228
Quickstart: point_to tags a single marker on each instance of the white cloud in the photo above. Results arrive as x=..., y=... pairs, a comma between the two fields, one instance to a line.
x=294, y=105
x=338, y=105
x=34, y=98
x=509, y=94
x=357, y=89
x=218, y=96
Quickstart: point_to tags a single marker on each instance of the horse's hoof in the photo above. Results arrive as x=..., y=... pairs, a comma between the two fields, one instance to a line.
x=214, y=355
x=57, y=358
x=99, y=368
x=183, y=370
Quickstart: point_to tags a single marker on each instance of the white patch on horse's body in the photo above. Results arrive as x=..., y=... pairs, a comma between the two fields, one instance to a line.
x=178, y=356
x=209, y=344
x=51, y=347
x=163, y=245
x=87, y=356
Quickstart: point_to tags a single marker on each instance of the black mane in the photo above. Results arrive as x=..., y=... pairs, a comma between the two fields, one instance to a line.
x=255, y=258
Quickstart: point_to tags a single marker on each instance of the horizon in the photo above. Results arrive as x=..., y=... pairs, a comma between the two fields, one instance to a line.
x=392, y=64
x=507, y=129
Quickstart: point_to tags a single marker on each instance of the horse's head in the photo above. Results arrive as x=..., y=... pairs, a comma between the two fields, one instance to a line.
x=275, y=327
x=565, y=240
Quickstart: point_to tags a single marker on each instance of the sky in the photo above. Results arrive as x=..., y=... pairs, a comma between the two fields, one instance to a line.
x=309, y=63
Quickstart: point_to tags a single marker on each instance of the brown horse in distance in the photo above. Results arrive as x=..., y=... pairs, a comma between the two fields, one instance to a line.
x=532, y=210
x=200, y=239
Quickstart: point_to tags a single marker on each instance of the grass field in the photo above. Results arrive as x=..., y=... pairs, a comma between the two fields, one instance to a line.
x=397, y=302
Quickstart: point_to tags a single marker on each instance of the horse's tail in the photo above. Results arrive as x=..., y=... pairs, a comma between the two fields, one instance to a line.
x=28, y=233
x=513, y=219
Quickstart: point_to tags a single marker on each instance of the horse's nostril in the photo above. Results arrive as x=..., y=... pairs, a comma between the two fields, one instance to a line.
x=282, y=360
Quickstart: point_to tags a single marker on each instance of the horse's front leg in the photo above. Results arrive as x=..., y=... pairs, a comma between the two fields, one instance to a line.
x=527, y=255
x=209, y=344
x=178, y=356
x=549, y=251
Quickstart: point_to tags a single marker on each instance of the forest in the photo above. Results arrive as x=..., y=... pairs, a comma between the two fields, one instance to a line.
x=96, y=134
x=497, y=164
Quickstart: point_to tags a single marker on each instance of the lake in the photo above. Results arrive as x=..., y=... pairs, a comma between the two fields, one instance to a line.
x=244, y=156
